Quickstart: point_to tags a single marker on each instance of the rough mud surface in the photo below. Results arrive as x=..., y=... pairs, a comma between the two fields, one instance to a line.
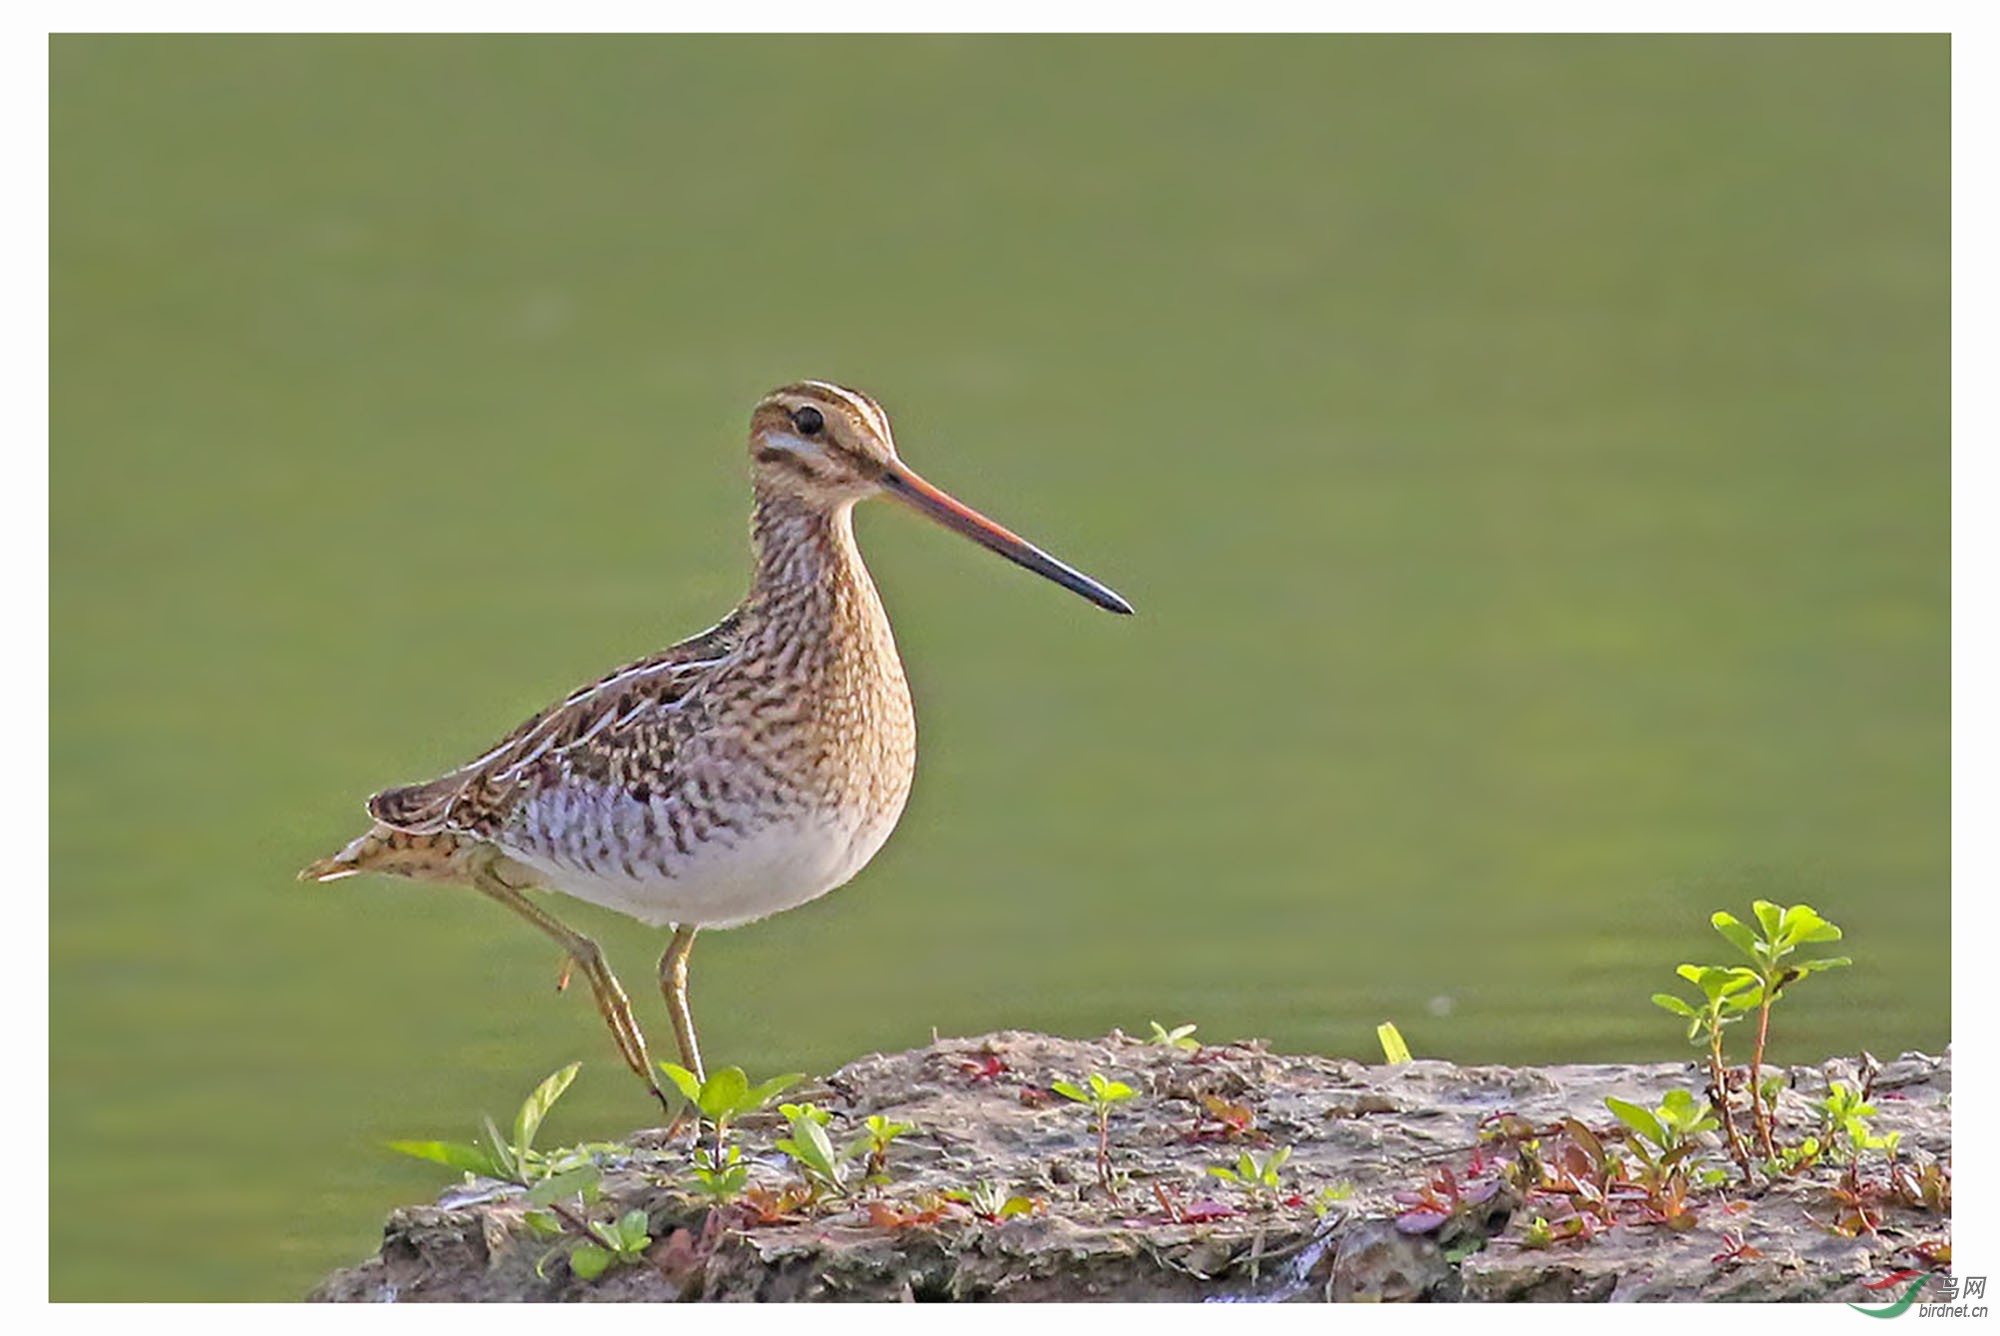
x=983, y=1111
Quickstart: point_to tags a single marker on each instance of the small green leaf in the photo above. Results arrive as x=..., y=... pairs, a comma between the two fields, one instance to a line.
x=572, y=1183
x=1638, y=1118
x=634, y=1232
x=757, y=1096
x=1830, y=963
x=1394, y=1051
x=722, y=1094
x=684, y=1081
x=1106, y=1091
x=1803, y=924
x=588, y=1261
x=536, y=1107
x=810, y=1112
x=1739, y=936
x=1675, y=1005
x=1068, y=1091
x=542, y=1223
x=822, y=1148
x=1770, y=918
x=452, y=1155
x=811, y=1147
x=503, y=1153
x=1743, y=980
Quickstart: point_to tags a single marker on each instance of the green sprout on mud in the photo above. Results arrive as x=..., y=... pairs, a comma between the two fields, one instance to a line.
x=1730, y=993
x=1844, y=1115
x=554, y=1180
x=1782, y=931
x=726, y=1095
x=991, y=1202
x=825, y=1168
x=1102, y=1094
x=1256, y=1175
x=1665, y=1142
x=619, y=1243
x=1575, y=1186
x=1394, y=1051
x=719, y=1172
x=720, y=1176
x=1180, y=1037
x=877, y=1135
x=510, y=1159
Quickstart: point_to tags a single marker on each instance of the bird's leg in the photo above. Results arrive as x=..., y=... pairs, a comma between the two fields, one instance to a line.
x=612, y=1003
x=674, y=983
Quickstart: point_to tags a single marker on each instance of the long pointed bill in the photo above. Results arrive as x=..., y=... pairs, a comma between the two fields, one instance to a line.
x=919, y=495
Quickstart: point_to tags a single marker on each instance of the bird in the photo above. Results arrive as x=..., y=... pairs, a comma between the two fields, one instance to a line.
x=745, y=771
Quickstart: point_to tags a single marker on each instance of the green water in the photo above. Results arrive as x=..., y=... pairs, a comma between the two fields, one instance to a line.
x=1529, y=460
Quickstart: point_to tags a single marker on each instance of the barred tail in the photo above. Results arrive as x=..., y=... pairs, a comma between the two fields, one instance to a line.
x=395, y=853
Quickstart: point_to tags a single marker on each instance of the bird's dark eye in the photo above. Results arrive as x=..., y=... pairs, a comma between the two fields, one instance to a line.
x=808, y=421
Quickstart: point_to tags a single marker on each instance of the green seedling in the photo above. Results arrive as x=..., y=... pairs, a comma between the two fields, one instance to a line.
x=1844, y=1116
x=825, y=1168
x=1102, y=1094
x=1781, y=931
x=1727, y=996
x=578, y=1182
x=1180, y=1037
x=991, y=1202
x=720, y=1177
x=1803, y=1155
x=1541, y=1232
x=1665, y=1144
x=1670, y=1129
x=726, y=1095
x=1394, y=1051
x=510, y=1159
x=622, y=1242
x=1256, y=1175
x=877, y=1135
x=582, y=1181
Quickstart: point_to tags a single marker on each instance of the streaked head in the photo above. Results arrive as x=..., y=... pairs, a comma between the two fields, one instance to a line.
x=831, y=446
x=821, y=442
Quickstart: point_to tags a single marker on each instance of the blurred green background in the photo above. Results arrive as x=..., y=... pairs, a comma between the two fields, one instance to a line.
x=1529, y=459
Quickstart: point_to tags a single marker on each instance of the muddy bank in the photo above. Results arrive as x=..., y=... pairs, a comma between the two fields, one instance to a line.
x=1425, y=1181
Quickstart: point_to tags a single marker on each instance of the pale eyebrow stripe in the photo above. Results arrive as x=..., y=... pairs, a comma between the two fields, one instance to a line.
x=870, y=411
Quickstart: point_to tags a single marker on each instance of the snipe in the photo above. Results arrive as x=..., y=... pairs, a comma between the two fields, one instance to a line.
x=742, y=772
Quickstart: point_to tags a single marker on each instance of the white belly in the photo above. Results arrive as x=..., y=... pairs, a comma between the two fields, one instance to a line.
x=730, y=878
